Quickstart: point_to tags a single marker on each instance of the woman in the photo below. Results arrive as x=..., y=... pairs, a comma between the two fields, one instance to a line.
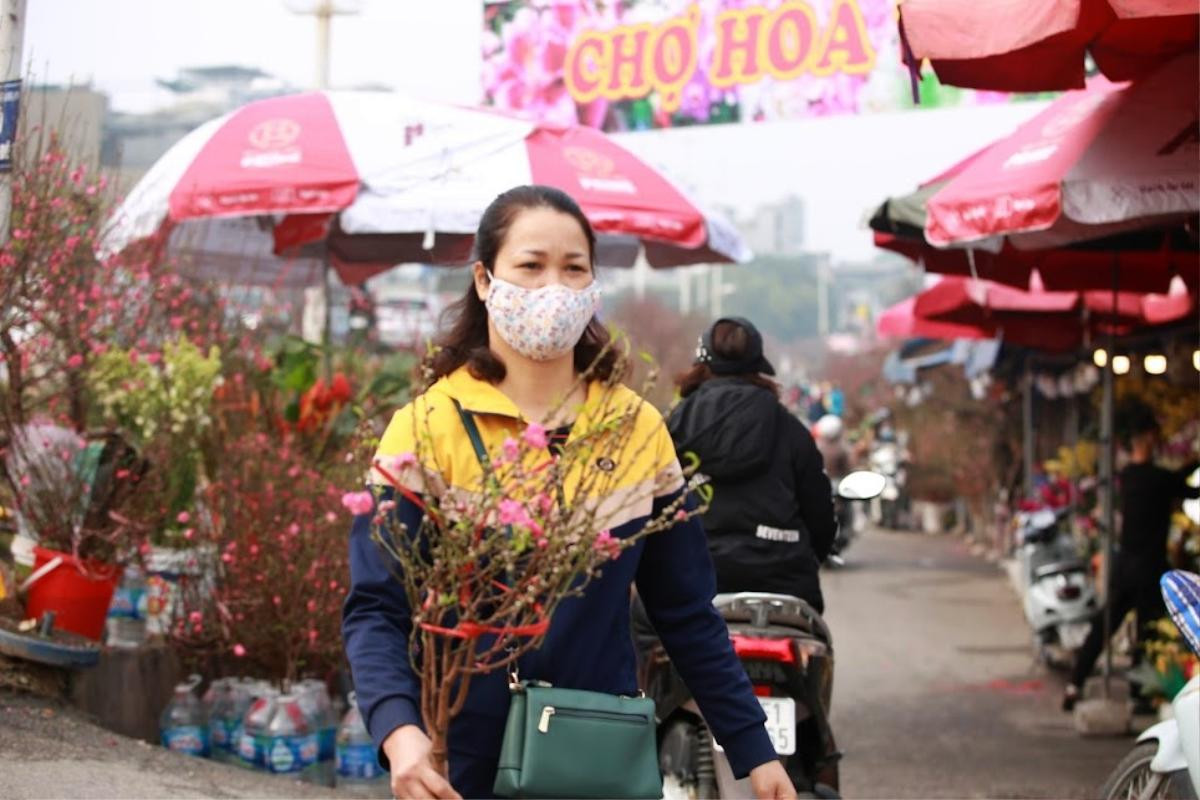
x=536, y=252
x=770, y=523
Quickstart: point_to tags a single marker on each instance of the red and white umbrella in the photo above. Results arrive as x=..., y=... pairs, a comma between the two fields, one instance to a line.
x=370, y=179
x=1097, y=162
x=1040, y=45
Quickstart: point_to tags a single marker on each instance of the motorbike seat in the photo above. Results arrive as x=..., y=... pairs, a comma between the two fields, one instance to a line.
x=764, y=610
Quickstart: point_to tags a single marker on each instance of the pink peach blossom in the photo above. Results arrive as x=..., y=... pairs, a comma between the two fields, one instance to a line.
x=535, y=436
x=358, y=502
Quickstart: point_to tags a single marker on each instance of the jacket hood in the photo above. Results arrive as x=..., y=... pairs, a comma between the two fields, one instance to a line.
x=730, y=425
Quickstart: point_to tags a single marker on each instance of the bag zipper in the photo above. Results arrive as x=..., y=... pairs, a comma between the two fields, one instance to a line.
x=610, y=716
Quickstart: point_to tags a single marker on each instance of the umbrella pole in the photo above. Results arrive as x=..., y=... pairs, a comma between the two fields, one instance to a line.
x=327, y=328
x=1110, y=461
x=1027, y=426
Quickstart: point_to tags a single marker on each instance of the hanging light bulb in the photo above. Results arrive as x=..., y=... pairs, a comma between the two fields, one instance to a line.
x=1155, y=364
x=1120, y=364
x=1196, y=359
x=1100, y=357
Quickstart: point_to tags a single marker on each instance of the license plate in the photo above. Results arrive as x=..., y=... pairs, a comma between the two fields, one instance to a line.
x=1072, y=634
x=781, y=723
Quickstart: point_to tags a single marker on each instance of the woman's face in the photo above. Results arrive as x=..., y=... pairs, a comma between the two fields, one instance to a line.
x=543, y=246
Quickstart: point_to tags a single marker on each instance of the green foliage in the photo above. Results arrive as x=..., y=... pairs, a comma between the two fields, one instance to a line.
x=143, y=398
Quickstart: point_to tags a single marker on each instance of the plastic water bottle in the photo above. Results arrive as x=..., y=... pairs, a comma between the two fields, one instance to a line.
x=252, y=733
x=126, y=623
x=183, y=726
x=318, y=710
x=290, y=744
x=357, y=763
x=245, y=692
x=228, y=701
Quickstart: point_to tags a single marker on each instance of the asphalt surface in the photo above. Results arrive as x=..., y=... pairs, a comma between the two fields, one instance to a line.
x=936, y=691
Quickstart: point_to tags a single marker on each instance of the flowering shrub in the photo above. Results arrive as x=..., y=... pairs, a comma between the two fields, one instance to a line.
x=273, y=607
x=172, y=390
x=491, y=564
x=62, y=311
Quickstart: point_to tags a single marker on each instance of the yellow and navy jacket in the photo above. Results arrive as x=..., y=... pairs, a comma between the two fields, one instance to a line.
x=589, y=644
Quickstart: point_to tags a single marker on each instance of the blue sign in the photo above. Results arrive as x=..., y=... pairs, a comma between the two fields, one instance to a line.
x=10, y=100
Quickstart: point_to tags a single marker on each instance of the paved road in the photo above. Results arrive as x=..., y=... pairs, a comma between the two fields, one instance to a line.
x=936, y=693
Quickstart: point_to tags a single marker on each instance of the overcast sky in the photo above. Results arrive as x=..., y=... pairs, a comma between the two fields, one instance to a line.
x=838, y=166
x=123, y=45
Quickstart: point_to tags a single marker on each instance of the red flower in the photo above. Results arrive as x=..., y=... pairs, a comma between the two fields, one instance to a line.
x=339, y=389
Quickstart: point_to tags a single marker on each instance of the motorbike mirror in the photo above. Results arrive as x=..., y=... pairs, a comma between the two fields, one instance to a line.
x=1043, y=518
x=861, y=485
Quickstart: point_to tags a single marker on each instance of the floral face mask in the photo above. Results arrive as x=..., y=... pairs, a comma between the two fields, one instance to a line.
x=541, y=324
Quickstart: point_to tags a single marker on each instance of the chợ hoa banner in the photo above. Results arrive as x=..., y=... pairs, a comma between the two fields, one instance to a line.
x=640, y=64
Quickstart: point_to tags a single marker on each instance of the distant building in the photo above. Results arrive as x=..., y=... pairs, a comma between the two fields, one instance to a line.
x=75, y=115
x=776, y=229
x=133, y=142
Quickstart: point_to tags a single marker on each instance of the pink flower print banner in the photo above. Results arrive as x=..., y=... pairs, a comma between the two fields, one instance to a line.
x=643, y=64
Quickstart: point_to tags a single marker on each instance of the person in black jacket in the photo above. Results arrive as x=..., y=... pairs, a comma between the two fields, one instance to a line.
x=1149, y=494
x=771, y=520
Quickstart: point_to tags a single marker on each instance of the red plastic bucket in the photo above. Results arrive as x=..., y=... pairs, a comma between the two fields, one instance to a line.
x=78, y=596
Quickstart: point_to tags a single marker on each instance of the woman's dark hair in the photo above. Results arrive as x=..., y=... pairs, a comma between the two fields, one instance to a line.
x=729, y=342
x=466, y=341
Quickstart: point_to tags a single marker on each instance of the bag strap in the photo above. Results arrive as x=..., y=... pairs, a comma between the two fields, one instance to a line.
x=468, y=421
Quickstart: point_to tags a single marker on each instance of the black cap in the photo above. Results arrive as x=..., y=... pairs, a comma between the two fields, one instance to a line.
x=751, y=361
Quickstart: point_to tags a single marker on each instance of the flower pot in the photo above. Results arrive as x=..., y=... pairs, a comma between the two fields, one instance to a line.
x=78, y=593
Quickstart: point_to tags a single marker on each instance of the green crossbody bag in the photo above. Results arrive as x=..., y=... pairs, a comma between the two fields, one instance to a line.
x=574, y=743
x=561, y=743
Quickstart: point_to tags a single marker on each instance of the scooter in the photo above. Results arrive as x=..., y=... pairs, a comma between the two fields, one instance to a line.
x=850, y=523
x=1165, y=762
x=787, y=652
x=1060, y=598
x=887, y=459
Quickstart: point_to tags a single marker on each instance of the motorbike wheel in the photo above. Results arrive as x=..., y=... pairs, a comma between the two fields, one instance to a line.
x=1134, y=778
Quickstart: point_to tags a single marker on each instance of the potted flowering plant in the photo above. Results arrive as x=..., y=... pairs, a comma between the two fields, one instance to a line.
x=60, y=308
x=72, y=470
x=490, y=565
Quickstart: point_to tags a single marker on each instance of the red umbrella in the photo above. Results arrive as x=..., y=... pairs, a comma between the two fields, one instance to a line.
x=1098, y=162
x=1046, y=320
x=901, y=322
x=1040, y=45
x=1140, y=268
x=370, y=179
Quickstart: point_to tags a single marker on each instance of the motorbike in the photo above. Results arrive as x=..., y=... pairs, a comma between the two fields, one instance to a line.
x=887, y=459
x=1165, y=762
x=849, y=525
x=1059, y=595
x=787, y=651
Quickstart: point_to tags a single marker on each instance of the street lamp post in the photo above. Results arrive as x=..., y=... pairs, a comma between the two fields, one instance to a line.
x=323, y=11
x=317, y=303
